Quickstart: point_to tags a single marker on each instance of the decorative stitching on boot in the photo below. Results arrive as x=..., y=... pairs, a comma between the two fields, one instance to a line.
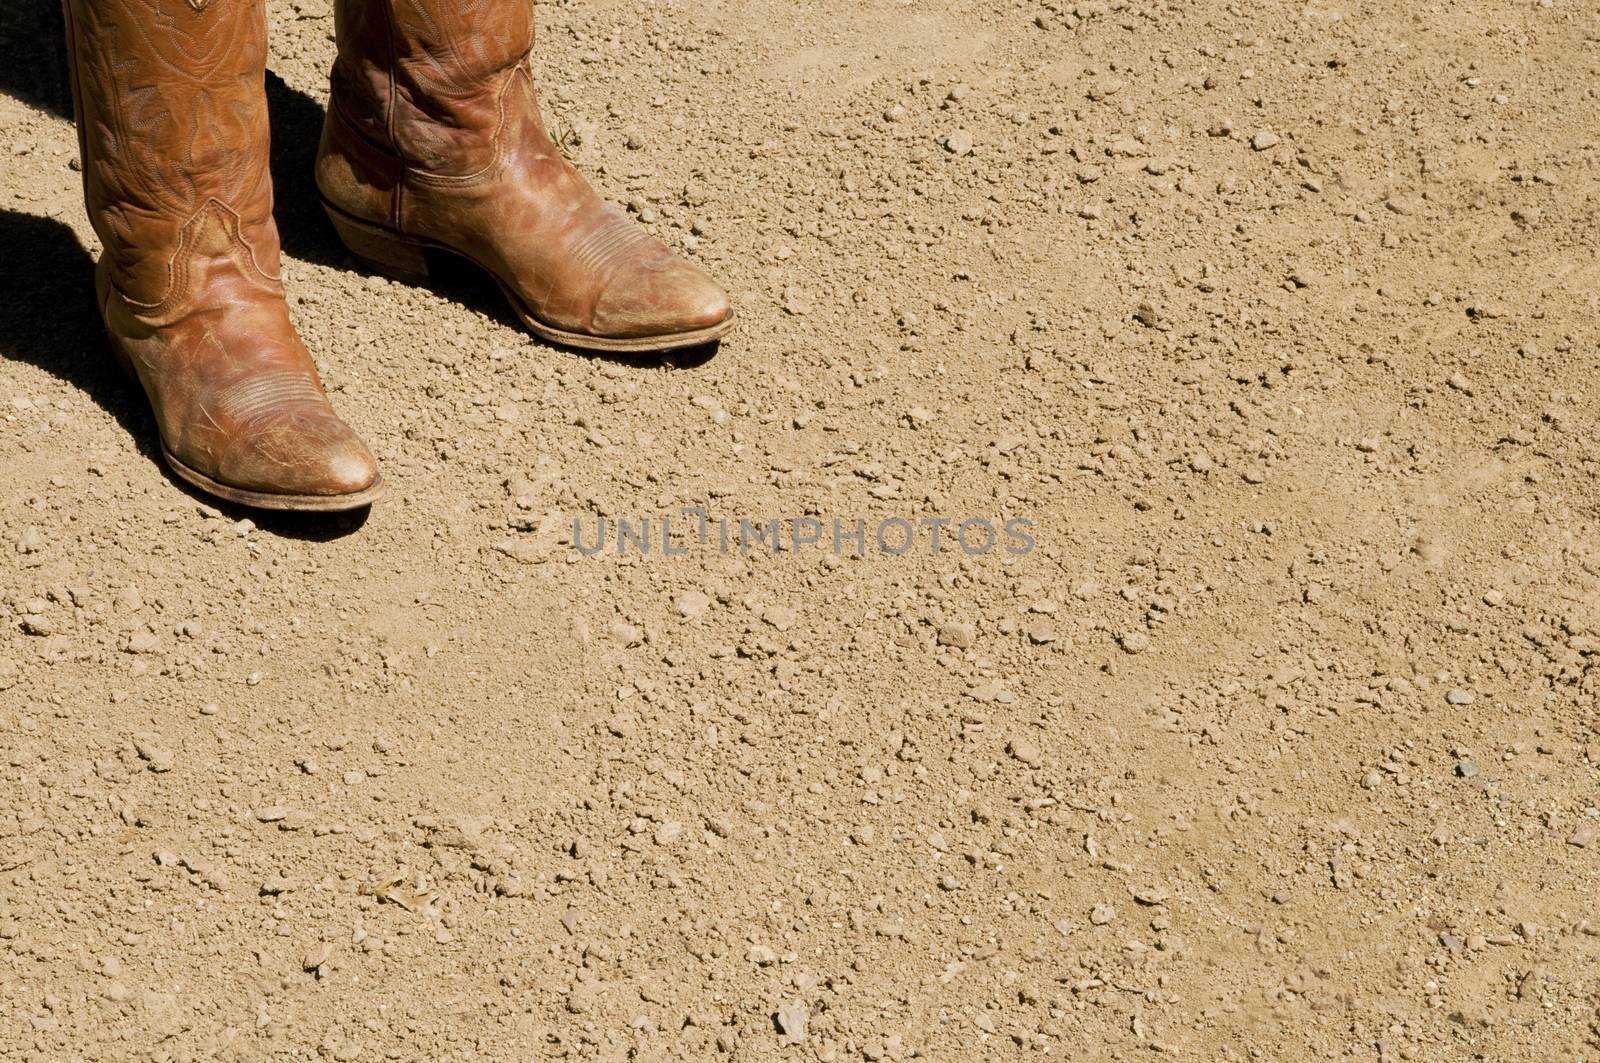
x=269, y=393
x=609, y=244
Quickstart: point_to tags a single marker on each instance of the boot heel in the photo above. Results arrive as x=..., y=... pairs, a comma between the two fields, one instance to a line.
x=379, y=250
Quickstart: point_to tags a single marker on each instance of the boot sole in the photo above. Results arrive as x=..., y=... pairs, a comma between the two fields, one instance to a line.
x=267, y=500
x=404, y=258
x=256, y=499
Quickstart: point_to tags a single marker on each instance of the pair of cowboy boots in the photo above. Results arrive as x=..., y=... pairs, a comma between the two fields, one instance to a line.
x=433, y=141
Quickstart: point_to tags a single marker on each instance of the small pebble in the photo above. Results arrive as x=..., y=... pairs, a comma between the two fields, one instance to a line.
x=959, y=636
x=792, y=1019
x=692, y=604
x=1026, y=752
x=31, y=541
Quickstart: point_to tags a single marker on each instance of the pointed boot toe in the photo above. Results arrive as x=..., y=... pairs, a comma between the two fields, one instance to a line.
x=306, y=459
x=668, y=298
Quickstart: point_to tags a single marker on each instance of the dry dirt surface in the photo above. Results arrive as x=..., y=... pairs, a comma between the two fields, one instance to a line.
x=1277, y=321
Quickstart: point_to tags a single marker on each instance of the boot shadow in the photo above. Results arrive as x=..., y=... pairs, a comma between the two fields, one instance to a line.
x=303, y=228
x=33, y=56
x=49, y=320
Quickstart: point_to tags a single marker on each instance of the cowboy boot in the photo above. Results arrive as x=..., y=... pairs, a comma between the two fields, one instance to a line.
x=434, y=141
x=172, y=127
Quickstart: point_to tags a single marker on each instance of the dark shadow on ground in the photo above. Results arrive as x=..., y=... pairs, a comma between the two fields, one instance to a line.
x=296, y=129
x=33, y=55
x=48, y=319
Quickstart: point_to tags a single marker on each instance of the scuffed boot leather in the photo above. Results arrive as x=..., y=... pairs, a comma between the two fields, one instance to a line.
x=434, y=140
x=172, y=120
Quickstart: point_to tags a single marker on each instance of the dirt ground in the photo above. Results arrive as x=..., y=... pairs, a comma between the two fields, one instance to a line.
x=1277, y=320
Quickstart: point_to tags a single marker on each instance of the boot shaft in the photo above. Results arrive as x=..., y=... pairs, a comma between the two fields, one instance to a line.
x=426, y=79
x=173, y=131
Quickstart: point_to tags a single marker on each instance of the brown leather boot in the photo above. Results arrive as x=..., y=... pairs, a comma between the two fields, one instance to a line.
x=434, y=140
x=172, y=125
